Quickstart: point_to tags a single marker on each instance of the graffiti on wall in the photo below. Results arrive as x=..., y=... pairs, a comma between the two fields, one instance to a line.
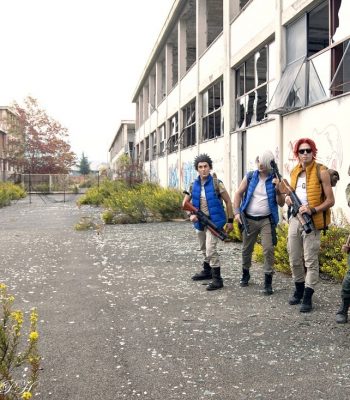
x=188, y=174
x=153, y=173
x=173, y=176
x=330, y=148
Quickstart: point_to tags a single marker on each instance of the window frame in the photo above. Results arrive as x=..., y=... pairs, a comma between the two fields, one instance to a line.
x=211, y=111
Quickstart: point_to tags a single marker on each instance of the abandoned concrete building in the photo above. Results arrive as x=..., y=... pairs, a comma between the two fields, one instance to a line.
x=231, y=78
x=11, y=138
x=123, y=143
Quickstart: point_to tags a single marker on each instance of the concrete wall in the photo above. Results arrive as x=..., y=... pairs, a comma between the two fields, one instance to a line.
x=328, y=125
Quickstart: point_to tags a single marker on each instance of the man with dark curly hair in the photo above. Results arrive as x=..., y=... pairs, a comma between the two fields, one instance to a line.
x=207, y=194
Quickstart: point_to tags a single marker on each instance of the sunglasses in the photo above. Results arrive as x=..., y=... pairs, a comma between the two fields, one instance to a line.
x=303, y=151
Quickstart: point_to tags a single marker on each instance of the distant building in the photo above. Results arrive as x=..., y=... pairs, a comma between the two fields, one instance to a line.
x=123, y=143
x=232, y=77
x=11, y=141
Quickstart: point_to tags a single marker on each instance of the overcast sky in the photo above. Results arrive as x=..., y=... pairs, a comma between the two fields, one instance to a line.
x=81, y=59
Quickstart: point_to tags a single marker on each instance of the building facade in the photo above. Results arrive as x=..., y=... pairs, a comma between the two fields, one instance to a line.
x=11, y=144
x=123, y=143
x=231, y=78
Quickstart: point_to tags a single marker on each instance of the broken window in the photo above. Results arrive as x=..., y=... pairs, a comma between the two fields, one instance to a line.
x=252, y=82
x=325, y=71
x=154, y=145
x=147, y=149
x=213, y=100
x=162, y=137
x=285, y=87
x=172, y=143
x=318, y=29
x=215, y=16
x=142, y=152
x=189, y=119
x=341, y=80
x=340, y=12
x=242, y=3
x=137, y=153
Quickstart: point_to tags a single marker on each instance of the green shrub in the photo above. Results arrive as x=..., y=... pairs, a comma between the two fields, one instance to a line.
x=166, y=203
x=332, y=261
x=129, y=203
x=281, y=253
x=19, y=355
x=132, y=204
x=5, y=199
x=235, y=235
x=10, y=191
x=97, y=195
x=93, y=196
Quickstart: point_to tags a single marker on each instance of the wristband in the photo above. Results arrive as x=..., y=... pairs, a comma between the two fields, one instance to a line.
x=230, y=220
x=236, y=211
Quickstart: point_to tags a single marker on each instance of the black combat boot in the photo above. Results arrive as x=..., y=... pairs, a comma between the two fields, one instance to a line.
x=245, y=277
x=217, y=282
x=204, y=274
x=298, y=293
x=306, y=304
x=342, y=314
x=268, y=284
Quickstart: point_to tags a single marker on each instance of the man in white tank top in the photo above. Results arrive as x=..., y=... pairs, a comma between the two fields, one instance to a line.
x=256, y=201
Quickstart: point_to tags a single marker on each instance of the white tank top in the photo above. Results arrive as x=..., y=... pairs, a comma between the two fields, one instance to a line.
x=259, y=205
x=300, y=190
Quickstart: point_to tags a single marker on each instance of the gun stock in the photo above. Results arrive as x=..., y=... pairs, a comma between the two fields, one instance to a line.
x=205, y=221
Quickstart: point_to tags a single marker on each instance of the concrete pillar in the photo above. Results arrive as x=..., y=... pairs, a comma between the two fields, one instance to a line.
x=152, y=89
x=280, y=62
x=169, y=67
x=159, y=88
x=141, y=109
x=229, y=98
x=145, y=102
x=182, y=50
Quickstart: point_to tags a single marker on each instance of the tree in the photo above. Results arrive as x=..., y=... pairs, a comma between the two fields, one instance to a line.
x=84, y=165
x=45, y=149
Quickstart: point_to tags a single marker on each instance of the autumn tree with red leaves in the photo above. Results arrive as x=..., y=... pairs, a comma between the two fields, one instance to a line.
x=45, y=149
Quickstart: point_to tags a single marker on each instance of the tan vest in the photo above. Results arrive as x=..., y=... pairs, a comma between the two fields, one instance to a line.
x=314, y=192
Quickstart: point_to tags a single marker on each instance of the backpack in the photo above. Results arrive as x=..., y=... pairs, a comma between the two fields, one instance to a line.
x=333, y=174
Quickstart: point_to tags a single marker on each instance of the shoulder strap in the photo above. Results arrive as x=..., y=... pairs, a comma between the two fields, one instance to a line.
x=318, y=169
x=216, y=184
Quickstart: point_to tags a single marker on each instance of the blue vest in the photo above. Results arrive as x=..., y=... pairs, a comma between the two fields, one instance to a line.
x=270, y=190
x=216, y=209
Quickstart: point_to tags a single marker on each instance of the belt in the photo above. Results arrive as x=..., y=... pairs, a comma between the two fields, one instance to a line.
x=259, y=218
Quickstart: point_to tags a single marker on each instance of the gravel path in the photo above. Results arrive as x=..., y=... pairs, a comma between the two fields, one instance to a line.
x=120, y=317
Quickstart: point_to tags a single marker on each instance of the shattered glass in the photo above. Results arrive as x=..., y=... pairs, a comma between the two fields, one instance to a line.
x=342, y=29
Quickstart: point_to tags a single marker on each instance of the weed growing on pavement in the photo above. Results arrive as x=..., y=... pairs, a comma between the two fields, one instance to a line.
x=87, y=223
x=19, y=362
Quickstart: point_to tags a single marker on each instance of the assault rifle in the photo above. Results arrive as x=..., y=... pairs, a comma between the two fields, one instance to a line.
x=205, y=220
x=305, y=219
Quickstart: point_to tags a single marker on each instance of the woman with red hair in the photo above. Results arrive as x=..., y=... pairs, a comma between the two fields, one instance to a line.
x=316, y=196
